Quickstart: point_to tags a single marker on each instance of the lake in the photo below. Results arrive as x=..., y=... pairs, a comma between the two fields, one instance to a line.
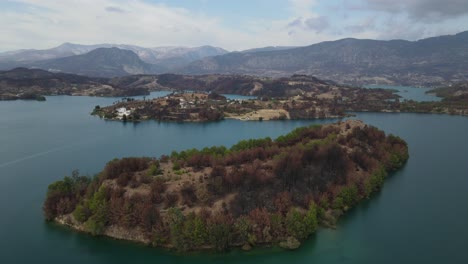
x=418, y=217
x=158, y=94
x=409, y=92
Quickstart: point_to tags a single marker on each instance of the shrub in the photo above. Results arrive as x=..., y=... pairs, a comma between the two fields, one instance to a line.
x=170, y=200
x=154, y=169
x=81, y=213
x=296, y=225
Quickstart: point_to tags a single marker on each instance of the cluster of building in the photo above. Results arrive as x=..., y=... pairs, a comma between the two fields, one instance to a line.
x=121, y=112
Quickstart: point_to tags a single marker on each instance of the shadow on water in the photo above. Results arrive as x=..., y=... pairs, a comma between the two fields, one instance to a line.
x=373, y=200
x=107, y=250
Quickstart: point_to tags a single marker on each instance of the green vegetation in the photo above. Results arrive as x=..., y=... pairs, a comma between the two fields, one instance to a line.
x=301, y=225
x=251, y=143
x=40, y=98
x=154, y=169
x=459, y=90
x=63, y=196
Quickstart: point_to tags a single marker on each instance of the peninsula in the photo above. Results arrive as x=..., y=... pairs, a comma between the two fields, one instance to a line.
x=257, y=192
x=309, y=102
x=297, y=97
x=203, y=107
x=454, y=101
x=34, y=84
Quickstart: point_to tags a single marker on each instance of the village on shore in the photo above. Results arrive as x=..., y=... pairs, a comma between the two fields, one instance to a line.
x=211, y=106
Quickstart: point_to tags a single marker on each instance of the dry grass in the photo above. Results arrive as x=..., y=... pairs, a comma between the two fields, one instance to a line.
x=264, y=114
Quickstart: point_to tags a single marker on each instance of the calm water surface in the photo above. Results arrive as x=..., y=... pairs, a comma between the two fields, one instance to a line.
x=409, y=92
x=419, y=216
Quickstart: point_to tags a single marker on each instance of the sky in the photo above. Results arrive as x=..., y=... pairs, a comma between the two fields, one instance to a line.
x=229, y=24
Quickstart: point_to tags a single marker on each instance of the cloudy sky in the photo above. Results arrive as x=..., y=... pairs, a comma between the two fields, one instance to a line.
x=233, y=25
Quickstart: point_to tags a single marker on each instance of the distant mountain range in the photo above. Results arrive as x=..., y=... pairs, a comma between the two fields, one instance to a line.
x=426, y=62
x=149, y=55
x=352, y=61
x=101, y=62
x=106, y=60
x=270, y=48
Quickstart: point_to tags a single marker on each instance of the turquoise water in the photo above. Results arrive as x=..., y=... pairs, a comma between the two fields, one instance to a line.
x=164, y=93
x=409, y=92
x=239, y=97
x=419, y=217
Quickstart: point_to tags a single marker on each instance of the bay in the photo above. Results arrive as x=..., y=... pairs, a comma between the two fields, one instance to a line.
x=409, y=92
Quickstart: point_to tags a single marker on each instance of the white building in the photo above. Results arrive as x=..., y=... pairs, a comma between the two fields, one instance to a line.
x=123, y=111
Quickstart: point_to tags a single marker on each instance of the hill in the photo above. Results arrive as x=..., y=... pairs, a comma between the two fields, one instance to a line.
x=101, y=62
x=171, y=58
x=22, y=80
x=269, y=48
x=425, y=62
x=22, y=83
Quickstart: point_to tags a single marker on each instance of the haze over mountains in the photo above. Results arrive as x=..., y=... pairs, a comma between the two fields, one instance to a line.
x=101, y=62
x=149, y=55
x=107, y=60
x=425, y=62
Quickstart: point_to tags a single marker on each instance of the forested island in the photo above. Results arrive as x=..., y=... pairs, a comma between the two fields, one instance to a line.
x=257, y=192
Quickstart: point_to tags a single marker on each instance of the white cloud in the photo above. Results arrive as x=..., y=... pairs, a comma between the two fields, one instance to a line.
x=430, y=11
x=302, y=8
x=48, y=23
x=402, y=19
x=315, y=24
